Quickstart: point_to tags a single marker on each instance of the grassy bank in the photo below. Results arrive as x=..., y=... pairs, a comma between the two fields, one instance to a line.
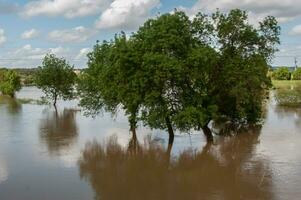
x=285, y=83
x=288, y=93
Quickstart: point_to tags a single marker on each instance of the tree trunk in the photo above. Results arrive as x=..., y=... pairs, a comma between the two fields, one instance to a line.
x=55, y=100
x=171, y=134
x=133, y=130
x=208, y=133
x=133, y=146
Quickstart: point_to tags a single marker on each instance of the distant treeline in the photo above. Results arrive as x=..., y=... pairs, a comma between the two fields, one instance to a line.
x=27, y=74
x=284, y=73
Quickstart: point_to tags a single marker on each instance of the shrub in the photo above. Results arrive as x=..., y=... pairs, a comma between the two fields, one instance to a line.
x=296, y=75
x=282, y=73
x=9, y=82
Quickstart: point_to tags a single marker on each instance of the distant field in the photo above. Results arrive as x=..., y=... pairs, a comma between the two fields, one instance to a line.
x=288, y=93
x=280, y=84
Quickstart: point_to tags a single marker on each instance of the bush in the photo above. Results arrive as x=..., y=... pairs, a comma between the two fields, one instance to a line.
x=296, y=75
x=9, y=82
x=282, y=73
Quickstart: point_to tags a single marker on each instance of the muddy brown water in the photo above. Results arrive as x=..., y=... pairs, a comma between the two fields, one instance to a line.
x=65, y=155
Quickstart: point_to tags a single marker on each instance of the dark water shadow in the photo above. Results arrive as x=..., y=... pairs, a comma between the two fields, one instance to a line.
x=58, y=130
x=228, y=169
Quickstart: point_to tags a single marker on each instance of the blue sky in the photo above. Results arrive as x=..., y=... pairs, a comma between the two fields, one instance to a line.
x=69, y=28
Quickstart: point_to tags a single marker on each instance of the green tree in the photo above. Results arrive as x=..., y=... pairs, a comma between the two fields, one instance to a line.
x=215, y=66
x=55, y=78
x=177, y=73
x=281, y=73
x=165, y=43
x=241, y=76
x=10, y=82
x=112, y=80
x=296, y=75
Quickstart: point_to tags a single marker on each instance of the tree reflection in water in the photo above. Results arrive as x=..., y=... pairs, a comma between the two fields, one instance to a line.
x=12, y=105
x=59, y=130
x=228, y=169
x=293, y=113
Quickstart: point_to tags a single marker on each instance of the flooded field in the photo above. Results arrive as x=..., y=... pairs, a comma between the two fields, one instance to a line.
x=66, y=156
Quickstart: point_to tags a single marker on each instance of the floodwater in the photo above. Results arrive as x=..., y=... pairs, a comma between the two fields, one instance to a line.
x=66, y=156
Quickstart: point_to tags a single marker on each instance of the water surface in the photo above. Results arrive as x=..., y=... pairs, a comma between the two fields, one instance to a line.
x=64, y=155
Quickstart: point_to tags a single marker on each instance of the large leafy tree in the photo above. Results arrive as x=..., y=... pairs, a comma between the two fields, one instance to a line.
x=10, y=82
x=165, y=44
x=55, y=78
x=245, y=51
x=112, y=80
x=93, y=85
x=177, y=73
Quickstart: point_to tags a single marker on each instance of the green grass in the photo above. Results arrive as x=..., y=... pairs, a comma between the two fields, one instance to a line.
x=288, y=93
x=281, y=84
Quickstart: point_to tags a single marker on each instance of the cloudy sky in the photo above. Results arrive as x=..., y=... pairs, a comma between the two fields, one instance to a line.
x=69, y=28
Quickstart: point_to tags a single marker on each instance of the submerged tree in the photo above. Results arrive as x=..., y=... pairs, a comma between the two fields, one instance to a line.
x=112, y=80
x=55, y=78
x=177, y=73
x=10, y=82
x=164, y=43
x=245, y=52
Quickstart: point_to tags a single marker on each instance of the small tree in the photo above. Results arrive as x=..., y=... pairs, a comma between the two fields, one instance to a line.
x=281, y=74
x=296, y=75
x=9, y=82
x=55, y=78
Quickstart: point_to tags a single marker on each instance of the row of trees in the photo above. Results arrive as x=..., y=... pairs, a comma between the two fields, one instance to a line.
x=174, y=73
x=283, y=73
x=177, y=73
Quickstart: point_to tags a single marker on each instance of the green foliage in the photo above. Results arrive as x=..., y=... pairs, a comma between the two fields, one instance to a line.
x=180, y=73
x=9, y=82
x=165, y=67
x=112, y=79
x=241, y=76
x=296, y=75
x=287, y=93
x=55, y=78
x=95, y=89
x=281, y=73
x=27, y=75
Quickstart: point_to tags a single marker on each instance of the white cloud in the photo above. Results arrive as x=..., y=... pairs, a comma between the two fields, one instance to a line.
x=77, y=34
x=296, y=30
x=126, y=14
x=60, y=51
x=28, y=56
x=2, y=37
x=67, y=8
x=28, y=52
x=284, y=10
x=30, y=34
x=83, y=53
